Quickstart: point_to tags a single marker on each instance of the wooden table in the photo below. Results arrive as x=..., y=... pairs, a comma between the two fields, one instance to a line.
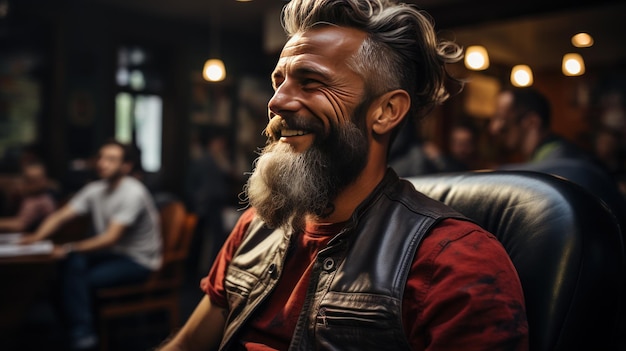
x=23, y=280
x=26, y=280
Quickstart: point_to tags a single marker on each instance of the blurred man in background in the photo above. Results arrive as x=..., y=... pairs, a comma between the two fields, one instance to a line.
x=125, y=248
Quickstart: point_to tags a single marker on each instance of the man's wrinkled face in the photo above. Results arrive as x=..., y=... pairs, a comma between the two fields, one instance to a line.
x=315, y=148
x=315, y=90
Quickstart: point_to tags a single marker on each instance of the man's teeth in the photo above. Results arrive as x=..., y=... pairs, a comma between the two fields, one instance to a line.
x=291, y=132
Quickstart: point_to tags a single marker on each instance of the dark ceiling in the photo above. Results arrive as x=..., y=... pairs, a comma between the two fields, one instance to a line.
x=531, y=32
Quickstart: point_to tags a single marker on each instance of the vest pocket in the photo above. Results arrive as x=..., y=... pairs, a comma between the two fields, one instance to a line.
x=358, y=322
x=238, y=285
x=332, y=317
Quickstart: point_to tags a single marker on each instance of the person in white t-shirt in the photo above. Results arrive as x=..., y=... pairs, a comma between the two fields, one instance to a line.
x=126, y=246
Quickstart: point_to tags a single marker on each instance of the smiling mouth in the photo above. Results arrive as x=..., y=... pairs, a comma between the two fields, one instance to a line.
x=279, y=128
x=293, y=132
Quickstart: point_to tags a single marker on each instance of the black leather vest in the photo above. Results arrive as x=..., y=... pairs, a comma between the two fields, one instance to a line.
x=354, y=297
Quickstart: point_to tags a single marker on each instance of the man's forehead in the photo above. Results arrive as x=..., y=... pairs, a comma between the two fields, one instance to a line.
x=324, y=40
x=111, y=149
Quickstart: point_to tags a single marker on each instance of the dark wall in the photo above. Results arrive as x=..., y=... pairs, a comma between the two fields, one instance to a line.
x=78, y=41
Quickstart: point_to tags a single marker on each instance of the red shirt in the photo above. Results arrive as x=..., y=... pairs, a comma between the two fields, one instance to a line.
x=462, y=293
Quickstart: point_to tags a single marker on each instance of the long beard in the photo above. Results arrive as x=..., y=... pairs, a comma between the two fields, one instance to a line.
x=286, y=186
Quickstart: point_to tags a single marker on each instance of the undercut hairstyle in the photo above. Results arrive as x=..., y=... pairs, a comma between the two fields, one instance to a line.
x=401, y=50
x=526, y=100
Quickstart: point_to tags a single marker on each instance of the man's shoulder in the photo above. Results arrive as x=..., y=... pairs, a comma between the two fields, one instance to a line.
x=130, y=185
x=459, y=236
x=247, y=218
x=405, y=193
x=557, y=147
x=455, y=228
x=94, y=186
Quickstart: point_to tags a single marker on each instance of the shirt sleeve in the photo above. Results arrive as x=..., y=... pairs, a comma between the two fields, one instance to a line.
x=213, y=283
x=463, y=293
x=80, y=202
x=129, y=210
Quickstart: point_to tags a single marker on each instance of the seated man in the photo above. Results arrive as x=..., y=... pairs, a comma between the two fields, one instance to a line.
x=126, y=247
x=336, y=252
x=36, y=202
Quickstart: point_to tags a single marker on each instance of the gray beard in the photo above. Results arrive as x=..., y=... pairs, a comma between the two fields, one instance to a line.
x=286, y=186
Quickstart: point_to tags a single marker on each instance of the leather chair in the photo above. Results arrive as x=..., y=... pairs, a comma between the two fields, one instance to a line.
x=586, y=174
x=565, y=244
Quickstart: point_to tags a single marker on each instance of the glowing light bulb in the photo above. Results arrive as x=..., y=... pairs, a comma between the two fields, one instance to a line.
x=521, y=76
x=214, y=70
x=573, y=65
x=476, y=58
x=582, y=40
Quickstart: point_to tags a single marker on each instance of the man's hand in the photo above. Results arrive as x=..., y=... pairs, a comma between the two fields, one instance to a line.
x=28, y=238
x=49, y=225
x=202, y=331
x=59, y=252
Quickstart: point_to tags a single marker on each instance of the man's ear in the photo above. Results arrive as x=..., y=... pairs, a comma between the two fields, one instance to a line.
x=390, y=110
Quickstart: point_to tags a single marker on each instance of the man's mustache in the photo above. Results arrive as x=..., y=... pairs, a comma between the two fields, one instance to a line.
x=274, y=126
x=278, y=123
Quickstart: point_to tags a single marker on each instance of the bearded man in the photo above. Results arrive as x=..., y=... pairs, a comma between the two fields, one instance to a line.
x=336, y=252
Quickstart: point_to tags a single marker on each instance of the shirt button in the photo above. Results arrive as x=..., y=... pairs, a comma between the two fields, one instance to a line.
x=328, y=264
x=271, y=270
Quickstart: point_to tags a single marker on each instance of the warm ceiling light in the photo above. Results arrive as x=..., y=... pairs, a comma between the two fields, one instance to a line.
x=582, y=40
x=214, y=70
x=476, y=58
x=573, y=65
x=521, y=76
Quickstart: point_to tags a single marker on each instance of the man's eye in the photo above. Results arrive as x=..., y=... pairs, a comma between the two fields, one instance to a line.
x=311, y=82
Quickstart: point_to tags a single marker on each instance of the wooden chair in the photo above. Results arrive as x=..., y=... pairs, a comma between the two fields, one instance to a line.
x=162, y=290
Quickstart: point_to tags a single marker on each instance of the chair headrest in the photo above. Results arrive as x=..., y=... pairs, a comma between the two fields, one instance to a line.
x=565, y=244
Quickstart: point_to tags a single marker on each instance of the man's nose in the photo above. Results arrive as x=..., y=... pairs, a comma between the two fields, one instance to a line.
x=284, y=100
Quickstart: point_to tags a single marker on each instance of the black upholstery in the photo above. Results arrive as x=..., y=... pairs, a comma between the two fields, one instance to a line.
x=565, y=244
x=586, y=174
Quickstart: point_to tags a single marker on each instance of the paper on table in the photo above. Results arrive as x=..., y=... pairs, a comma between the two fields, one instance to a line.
x=9, y=246
x=10, y=238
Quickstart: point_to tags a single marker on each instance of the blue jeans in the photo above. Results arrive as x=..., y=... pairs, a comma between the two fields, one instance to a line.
x=81, y=274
